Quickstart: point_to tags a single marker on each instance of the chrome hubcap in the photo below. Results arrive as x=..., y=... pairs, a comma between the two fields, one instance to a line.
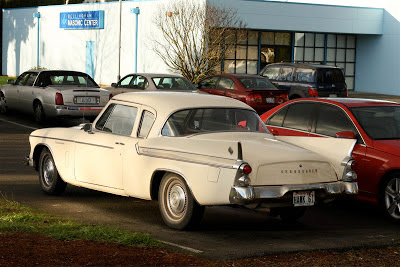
x=392, y=198
x=48, y=171
x=176, y=200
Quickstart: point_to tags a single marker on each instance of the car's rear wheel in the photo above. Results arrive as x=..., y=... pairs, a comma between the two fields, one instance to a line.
x=38, y=112
x=178, y=208
x=3, y=104
x=49, y=179
x=390, y=197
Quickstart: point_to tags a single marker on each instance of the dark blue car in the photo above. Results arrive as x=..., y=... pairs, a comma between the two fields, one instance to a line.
x=307, y=80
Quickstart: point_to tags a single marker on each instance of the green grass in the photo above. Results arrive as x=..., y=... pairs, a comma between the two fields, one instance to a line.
x=3, y=79
x=15, y=217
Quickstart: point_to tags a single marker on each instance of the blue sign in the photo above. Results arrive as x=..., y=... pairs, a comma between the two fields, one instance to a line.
x=82, y=20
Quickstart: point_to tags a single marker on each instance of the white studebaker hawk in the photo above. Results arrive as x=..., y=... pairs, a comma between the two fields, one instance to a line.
x=190, y=150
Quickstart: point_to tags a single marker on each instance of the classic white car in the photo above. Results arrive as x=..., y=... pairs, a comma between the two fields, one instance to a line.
x=189, y=151
x=54, y=93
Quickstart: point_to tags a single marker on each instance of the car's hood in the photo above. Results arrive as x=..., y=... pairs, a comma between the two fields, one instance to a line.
x=389, y=146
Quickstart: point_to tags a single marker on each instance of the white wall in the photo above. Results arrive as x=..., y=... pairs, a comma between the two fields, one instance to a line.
x=66, y=49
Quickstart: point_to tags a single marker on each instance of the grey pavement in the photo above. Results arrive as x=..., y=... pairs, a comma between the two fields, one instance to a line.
x=354, y=94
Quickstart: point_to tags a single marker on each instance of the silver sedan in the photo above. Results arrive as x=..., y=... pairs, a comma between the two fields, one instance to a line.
x=139, y=82
x=54, y=93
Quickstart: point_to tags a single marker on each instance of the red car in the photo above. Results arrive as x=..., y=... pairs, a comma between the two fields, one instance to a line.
x=374, y=123
x=254, y=90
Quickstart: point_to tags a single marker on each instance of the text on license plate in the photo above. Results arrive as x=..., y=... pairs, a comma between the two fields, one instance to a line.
x=304, y=198
x=270, y=100
x=85, y=99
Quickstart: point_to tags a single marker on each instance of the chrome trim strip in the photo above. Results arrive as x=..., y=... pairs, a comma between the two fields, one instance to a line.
x=183, y=152
x=66, y=140
x=225, y=166
x=247, y=195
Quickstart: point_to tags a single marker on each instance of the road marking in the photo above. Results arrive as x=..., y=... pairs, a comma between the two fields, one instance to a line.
x=19, y=124
x=182, y=247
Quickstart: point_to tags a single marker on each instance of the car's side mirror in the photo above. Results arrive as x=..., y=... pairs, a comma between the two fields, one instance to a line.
x=88, y=128
x=10, y=81
x=114, y=85
x=346, y=135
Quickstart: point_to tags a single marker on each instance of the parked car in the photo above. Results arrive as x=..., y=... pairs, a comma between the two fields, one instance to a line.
x=376, y=126
x=54, y=93
x=307, y=80
x=139, y=82
x=189, y=151
x=256, y=91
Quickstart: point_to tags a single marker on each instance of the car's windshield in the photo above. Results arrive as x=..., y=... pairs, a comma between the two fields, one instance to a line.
x=55, y=78
x=379, y=122
x=203, y=120
x=257, y=83
x=330, y=75
x=173, y=83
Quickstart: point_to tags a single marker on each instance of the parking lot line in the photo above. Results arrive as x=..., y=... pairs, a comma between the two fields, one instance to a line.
x=29, y=127
x=182, y=247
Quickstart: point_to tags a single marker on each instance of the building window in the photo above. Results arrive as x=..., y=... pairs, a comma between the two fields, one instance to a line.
x=340, y=51
x=242, y=57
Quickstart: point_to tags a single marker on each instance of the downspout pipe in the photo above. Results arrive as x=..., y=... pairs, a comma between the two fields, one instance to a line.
x=37, y=15
x=136, y=11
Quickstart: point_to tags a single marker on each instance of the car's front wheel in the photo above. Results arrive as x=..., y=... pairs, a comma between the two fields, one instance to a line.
x=178, y=208
x=49, y=179
x=390, y=197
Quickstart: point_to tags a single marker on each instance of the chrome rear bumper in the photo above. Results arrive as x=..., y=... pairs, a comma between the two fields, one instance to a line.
x=258, y=194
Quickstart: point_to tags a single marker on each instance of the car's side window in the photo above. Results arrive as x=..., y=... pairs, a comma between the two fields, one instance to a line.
x=125, y=82
x=277, y=118
x=146, y=122
x=226, y=83
x=331, y=120
x=22, y=79
x=272, y=73
x=286, y=74
x=31, y=79
x=118, y=119
x=140, y=83
x=209, y=82
x=304, y=75
x=299, y=116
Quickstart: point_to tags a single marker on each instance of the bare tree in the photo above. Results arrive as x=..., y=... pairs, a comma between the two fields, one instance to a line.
x=195, y=36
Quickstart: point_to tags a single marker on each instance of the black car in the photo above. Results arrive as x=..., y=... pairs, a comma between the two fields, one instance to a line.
x=307, y=80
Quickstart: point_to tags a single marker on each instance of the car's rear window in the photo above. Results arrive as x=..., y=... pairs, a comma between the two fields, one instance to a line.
x=173, y=83
x=257, y=83
x=380, y=122
x=202, y=120
x=66, y=78
x=327, y=75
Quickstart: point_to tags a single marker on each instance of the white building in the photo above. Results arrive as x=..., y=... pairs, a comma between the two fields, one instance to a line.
x=360, y=36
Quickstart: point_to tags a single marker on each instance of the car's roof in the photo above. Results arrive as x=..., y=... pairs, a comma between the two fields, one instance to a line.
x=241, y=76
x=152, y=75
x=352, y=102
x=171, y=101
x=304, y=65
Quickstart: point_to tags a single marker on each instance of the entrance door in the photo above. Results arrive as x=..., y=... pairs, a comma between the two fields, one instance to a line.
x=90, y=58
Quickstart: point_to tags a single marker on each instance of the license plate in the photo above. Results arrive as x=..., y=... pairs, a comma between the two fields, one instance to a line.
x=85, y=100
x=333, y=95
x=270, y=100
x=305, y=198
